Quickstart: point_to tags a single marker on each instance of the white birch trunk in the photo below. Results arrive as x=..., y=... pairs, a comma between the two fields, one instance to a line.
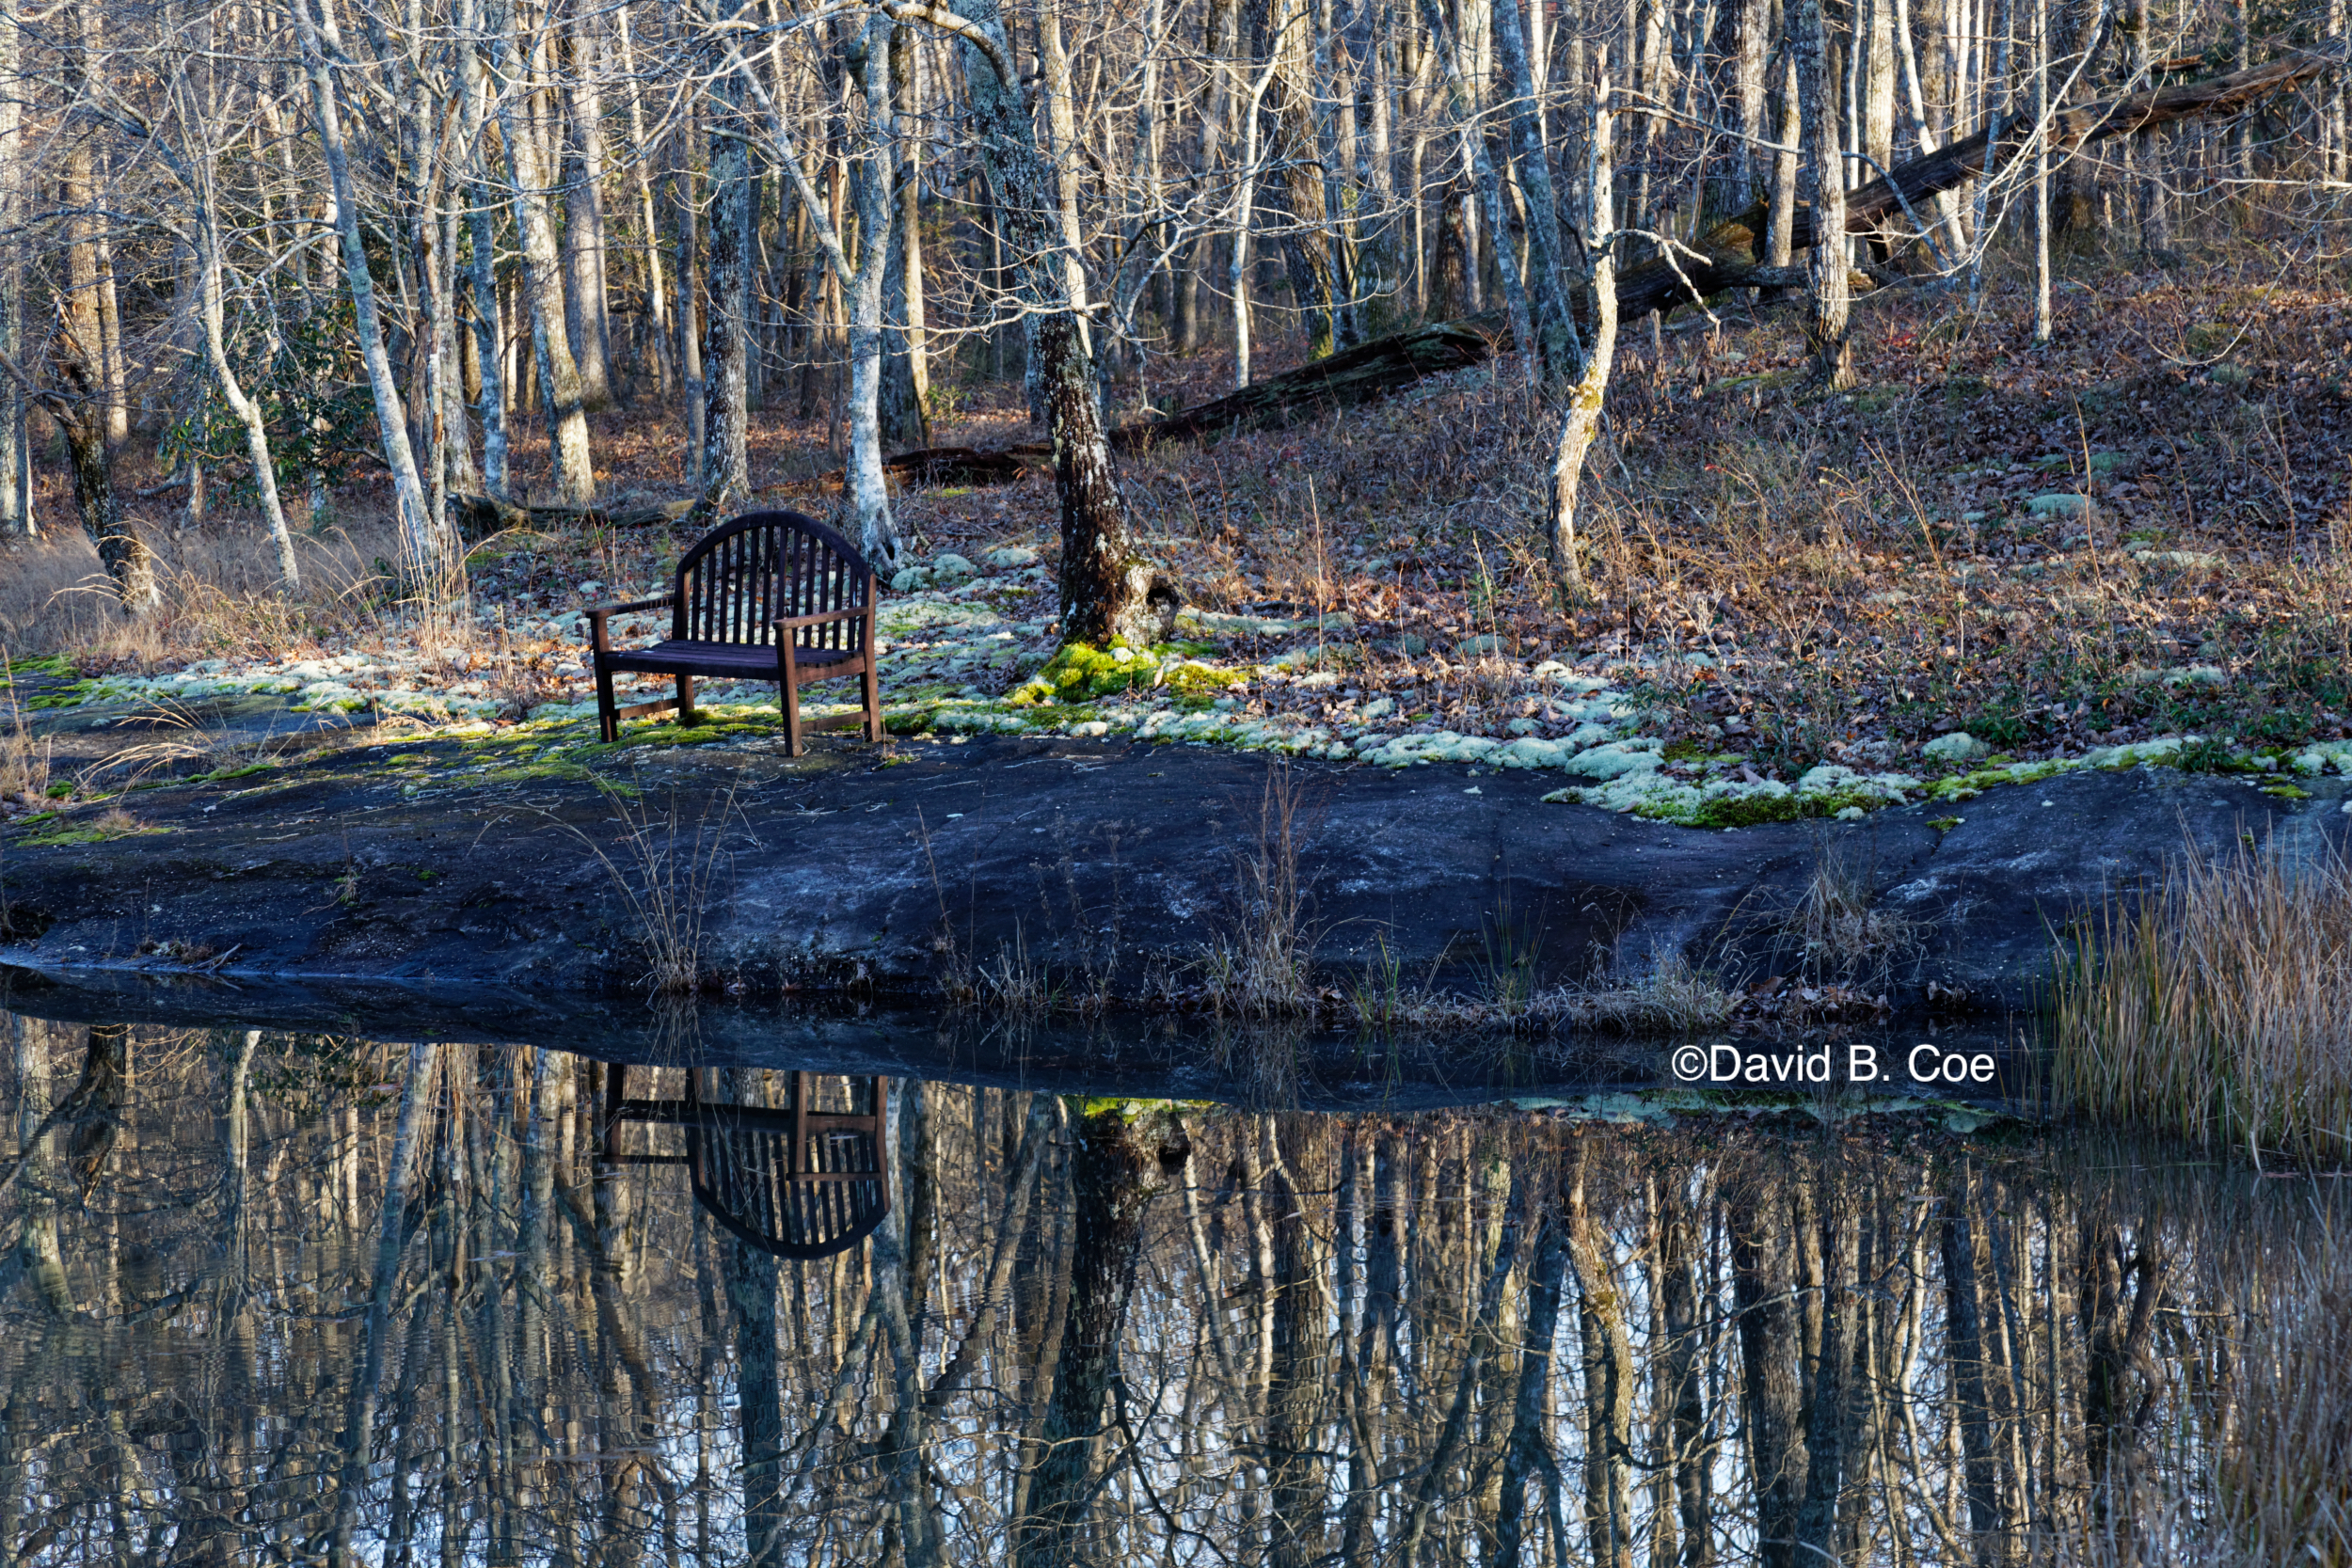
x=543, y=268
x=425, y=539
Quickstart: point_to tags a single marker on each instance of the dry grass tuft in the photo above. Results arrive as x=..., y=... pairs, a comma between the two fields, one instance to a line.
x=1014, y=984
x=1672, y=998
x=1259, y=967
x=2218, y=1006
x=668, y=879
x=181, y=737
x=23, y=759
x=1840, y=924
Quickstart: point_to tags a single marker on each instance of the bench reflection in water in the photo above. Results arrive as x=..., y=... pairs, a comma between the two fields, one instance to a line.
x=801, y=1178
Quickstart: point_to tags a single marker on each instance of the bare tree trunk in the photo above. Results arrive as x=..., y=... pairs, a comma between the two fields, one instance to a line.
x=751, y=1277
x=358, y=1440
x=2044, y=327
x=2146, y=152
x=870, y=188
x=38, y=1254
x=1280, y=38
x=432, y=560
x=641, y=173
x=237, y=1169
x=1062, y=153
x=588, y=314
x=2114, y=1325
x=232, y=391
x=1780, y=243
x=1296, y=1371
x=16, y=490
x=1679, y=1262
x=1548, y=315
x=1580, y=420
x=691, y=310
x=906, y=378
x=1756, y=48
x=83, y=408
x=1608, y=1383
x=1758, y=1220
x=726, y=478
x=1964, y=1333
x=1463, y=103
x=482, y=268
x=1529, y=1452
x=543, y=269
x=1827, y=262
x=1828, y=1416
x=1110, y=1177
x=2339, y=155
x=1446, y=1451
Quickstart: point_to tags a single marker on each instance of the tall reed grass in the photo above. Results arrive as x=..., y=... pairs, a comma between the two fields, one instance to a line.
x=2217, y=1005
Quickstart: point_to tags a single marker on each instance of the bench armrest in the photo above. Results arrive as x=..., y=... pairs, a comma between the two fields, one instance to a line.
x=794, y=623
x=602, y=640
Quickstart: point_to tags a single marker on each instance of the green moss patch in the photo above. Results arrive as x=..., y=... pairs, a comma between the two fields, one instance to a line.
x=64, y=696
x=1079, y=674
x=87, y=835
x=1190, y=680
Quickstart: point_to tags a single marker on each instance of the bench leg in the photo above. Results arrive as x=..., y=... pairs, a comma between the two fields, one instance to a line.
x=608, y=720
x=686, y=702
x=873, y=684
x=790, y=702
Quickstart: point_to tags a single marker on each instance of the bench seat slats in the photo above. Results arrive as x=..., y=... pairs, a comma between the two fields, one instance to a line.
x=672, y=656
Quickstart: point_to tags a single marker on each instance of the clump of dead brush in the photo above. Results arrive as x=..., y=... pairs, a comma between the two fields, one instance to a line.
x=1670, y=997
x=2216, y=1005
x=1841, y=928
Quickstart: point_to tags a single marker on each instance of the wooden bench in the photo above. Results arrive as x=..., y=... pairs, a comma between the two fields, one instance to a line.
x=791, y=1181
x=770, y=596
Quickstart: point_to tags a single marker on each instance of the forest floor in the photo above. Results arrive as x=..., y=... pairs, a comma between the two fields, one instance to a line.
x=1988, y=562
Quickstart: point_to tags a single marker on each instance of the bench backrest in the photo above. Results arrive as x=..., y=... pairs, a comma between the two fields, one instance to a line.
x=744, y=576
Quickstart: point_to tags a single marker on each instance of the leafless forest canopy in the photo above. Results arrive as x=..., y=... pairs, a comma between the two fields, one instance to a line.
x=278, y=1298
x=282, y=245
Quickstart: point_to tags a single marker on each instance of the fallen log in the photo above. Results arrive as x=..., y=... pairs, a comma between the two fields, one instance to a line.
x=1347, y=378
x=941, y=465
x=930, y=466
x=1725, y=257
x=478, y=516
x=1353, y=376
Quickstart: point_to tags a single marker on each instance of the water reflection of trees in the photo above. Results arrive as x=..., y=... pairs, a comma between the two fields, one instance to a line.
x=276, y=1298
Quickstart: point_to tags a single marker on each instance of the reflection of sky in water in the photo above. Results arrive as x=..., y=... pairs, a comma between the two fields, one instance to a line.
x=1115, y=1331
